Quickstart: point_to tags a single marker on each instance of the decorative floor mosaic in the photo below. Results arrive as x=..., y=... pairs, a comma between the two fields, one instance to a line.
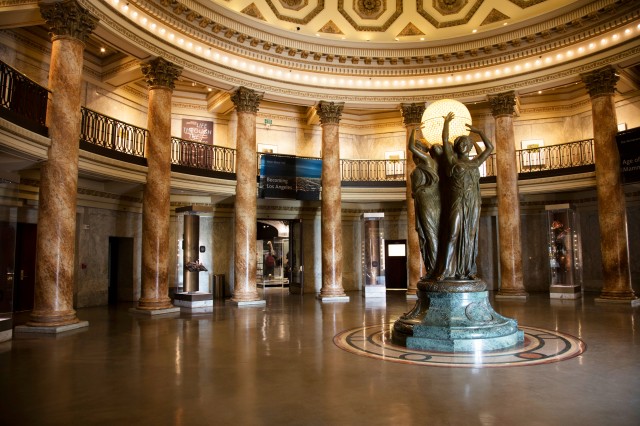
x=539, y=347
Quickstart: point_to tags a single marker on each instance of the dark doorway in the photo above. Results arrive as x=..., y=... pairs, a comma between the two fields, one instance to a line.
x=25, y=271
x=7, y=263
x=120, y=269
x=395, y=258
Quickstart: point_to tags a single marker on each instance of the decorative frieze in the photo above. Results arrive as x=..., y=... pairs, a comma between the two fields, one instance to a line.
x=246, y=100
x=68, y=19
x=160, y=72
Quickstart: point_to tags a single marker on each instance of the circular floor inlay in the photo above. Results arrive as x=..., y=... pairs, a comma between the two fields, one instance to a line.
x=539, y=347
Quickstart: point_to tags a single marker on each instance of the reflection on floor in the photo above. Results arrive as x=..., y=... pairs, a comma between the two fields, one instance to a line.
x=278, y=365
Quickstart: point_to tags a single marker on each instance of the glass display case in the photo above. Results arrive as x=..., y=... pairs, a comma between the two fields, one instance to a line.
x=373, y=255
x=565, y=254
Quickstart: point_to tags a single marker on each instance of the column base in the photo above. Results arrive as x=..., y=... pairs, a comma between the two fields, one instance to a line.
x=512, y=296
x=55, y=329
x=154, y=304
x=155, y=312
x=52, y=319
x=243, y=303
x=565, y=292
x=619, y=301
x=332, y=298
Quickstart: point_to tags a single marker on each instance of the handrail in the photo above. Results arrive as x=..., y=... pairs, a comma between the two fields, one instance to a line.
x=101, y=130
x=202, y=156
x=372, y=170
x=22, y=100
x=546, y=158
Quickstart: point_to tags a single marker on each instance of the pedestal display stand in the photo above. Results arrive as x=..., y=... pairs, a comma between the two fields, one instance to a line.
x=373, y=256
x=194, y=302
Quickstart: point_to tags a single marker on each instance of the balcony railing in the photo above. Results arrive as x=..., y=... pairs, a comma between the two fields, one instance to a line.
x=111, y=134
x=547, y=158
x=22, y=100
x=202, y=156
x=372, y=170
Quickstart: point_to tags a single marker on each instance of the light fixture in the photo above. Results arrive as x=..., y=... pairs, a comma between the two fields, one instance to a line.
x=433, y=120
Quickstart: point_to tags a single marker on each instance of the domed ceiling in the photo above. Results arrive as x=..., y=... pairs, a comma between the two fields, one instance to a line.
x=371, y=54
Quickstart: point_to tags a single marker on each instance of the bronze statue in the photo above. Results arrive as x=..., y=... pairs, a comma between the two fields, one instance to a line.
x=426, y=195
x=460, y=244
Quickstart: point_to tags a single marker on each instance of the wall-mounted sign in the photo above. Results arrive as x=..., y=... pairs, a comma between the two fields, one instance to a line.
x=287, y=176
x=629, y=147
x=197, y=131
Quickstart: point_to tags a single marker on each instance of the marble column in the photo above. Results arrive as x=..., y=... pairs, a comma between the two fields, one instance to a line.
x=69, y=25
x=160, y=76
x=511, y=284
x=412, y=116
x=332, y=290
x=611, y=199
x=245, y=291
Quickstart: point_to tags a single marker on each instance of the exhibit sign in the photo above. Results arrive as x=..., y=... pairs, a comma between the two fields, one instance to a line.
x=290, y=177
x=629, y=148
x=197, y=131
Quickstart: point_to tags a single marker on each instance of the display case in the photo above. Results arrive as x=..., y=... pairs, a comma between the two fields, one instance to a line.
x=565, y=254
x=373, y=255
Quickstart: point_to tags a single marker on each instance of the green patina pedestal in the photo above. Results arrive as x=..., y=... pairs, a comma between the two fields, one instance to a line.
x=455, y=316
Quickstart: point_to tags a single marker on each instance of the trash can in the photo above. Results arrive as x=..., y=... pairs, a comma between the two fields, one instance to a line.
x=218, y=286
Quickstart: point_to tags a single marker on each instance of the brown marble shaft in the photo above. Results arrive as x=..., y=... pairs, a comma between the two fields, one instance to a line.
x=611, y=202
x=55, y=246
x=414, y=255
x=245, y=289
x=331, y=213
x=511, y=282
x=156, y=206
x=412, y=116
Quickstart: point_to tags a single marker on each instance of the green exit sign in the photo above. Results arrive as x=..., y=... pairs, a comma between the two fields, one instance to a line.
x=268, y=121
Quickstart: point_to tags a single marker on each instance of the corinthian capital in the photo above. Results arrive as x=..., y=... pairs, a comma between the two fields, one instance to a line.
x=329, y=112
x=503, y=104
x=67, y=19
x=160, y=72
x=246, y=100
x=412, y=113
x=601, y=82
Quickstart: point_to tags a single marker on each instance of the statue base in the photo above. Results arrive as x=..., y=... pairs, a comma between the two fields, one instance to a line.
x=455, y=316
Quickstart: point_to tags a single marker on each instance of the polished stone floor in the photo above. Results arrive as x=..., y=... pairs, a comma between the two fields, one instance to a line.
x=278, y=365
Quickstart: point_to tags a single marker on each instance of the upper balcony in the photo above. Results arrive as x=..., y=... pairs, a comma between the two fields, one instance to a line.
x=114, y=150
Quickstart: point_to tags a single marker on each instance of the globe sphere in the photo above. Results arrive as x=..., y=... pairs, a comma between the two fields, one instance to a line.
x=433, y=120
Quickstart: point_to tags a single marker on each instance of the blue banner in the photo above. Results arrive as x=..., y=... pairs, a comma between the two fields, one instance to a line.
x=290, y=177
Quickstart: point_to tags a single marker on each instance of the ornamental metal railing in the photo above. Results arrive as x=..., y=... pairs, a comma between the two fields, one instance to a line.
x=115, y=135
x=547, y=158
x=372, y=170
x=202, y=156
x=22, y=100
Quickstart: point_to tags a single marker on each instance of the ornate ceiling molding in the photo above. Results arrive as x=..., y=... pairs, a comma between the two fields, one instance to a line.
x=228, y=34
